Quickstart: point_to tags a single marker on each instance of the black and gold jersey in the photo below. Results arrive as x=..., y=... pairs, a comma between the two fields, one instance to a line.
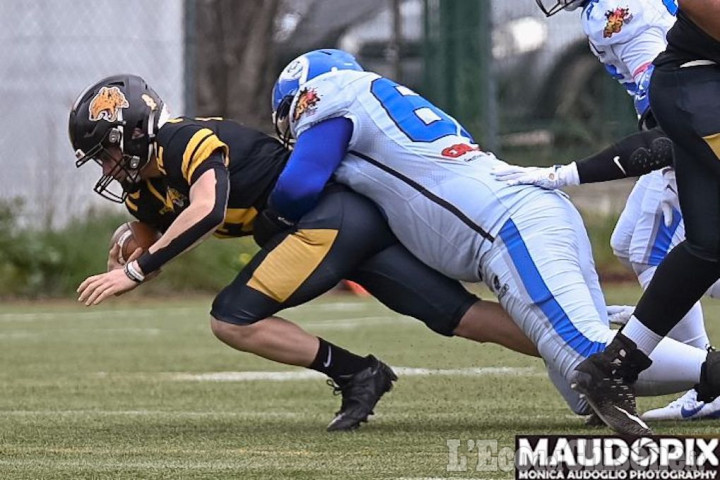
x=148, y=204
x=254, y=161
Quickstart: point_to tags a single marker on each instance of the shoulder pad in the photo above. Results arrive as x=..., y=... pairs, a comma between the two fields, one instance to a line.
x=327, y=96
x=183, y=145
x=611, y=22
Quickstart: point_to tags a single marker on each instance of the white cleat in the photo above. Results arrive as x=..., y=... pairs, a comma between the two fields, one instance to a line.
x=686, y=407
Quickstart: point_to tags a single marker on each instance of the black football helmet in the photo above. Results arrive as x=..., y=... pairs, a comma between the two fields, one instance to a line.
x=560, y=5
x=120, y=111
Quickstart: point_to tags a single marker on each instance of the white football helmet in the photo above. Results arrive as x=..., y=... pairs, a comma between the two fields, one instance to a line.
x=560, y=5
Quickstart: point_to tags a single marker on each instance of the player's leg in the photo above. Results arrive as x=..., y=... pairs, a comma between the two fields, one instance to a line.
x=622, y=234
x=651, y=239
x=691, y=329
x=684, y=102
x=406, y=285
x=535, y=269
x=330, y=241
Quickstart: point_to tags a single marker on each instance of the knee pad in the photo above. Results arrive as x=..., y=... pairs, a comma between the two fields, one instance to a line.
x=225, y=309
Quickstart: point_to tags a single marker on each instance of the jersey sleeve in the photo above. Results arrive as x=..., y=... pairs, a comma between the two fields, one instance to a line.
x=184, y=145
x=318, y=100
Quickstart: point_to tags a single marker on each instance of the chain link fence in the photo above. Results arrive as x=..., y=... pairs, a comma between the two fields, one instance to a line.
x=526, y=86
x=52, y=50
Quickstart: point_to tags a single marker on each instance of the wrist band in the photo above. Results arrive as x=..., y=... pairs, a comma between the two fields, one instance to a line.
x=133, y=273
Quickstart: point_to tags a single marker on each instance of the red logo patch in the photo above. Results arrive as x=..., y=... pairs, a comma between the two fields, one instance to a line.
x=306, y=103
x=615, y=21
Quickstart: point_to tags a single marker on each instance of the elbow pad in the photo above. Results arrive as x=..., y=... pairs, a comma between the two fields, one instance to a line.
x=644, y=160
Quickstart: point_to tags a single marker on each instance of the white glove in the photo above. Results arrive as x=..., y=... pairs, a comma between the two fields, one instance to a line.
x=619, y=314
x=554, y=177
x=669, y=201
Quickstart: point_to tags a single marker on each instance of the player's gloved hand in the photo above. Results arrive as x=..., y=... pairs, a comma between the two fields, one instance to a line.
x=268, y=224
x=669, y=201
x=619, y=314
x=554, y=177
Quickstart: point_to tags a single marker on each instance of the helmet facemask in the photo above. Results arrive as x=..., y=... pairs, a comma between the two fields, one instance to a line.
x=559, y=5
x=281, y=120
x=125, y=170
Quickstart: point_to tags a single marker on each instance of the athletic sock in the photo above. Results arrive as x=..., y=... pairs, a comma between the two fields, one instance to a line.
x=645, y=339
x=336, y=362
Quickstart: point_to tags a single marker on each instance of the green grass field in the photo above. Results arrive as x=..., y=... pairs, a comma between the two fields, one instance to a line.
x=141, y=389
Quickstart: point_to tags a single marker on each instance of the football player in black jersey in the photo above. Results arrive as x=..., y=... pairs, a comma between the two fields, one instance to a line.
x=193, y=177
x=685, y=100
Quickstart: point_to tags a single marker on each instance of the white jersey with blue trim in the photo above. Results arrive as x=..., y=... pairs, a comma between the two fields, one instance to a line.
x=626, y=35
x=418, y=164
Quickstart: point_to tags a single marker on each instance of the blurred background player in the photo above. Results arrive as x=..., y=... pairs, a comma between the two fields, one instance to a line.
x=626, y=37
x=435, y=186
x=190, y=177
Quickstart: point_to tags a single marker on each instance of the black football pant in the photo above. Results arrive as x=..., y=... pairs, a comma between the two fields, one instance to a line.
x=686, y=104
x=344, y=237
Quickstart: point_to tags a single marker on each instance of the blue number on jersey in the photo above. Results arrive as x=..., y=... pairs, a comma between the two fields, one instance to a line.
x=671, y=6
x=419, y=119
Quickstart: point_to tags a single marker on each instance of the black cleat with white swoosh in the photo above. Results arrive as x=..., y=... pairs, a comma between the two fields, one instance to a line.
x=360, y=393
x=606, y=380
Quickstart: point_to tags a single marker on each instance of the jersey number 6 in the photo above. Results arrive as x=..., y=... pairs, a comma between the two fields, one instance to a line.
x=417, y=118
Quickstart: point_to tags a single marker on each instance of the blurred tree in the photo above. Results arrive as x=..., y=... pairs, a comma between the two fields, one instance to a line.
x=235, y=59
x=237, y=48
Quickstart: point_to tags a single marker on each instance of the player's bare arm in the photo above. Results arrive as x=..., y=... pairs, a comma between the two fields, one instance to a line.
x=208, y=199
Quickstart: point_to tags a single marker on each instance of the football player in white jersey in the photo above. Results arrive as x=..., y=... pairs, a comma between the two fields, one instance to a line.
x=434, y=185
x=626, y=36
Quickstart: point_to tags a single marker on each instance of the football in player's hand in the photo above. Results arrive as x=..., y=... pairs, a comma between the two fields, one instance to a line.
x=133, y=235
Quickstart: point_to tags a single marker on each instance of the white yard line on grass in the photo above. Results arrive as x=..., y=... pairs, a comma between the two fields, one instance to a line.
x=310, y=374
x=151, y=413
x=96, y=314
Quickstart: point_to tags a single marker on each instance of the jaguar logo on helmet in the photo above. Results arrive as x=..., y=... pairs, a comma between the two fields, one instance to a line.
x=106, y=104
x=615, y=20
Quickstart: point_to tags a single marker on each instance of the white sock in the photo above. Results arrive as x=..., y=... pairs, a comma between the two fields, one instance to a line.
x=645, y=339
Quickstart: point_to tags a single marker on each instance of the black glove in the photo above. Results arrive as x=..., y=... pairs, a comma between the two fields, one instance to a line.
x=268, y=224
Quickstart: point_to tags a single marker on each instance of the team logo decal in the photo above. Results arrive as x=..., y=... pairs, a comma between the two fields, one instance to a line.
x=107, y=103
x=306, y=103
x=615, y=20
x=175, y=198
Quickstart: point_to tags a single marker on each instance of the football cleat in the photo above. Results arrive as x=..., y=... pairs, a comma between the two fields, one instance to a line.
x=687, y=407
x=593, y=421
x=606, y=380
x=360, y=393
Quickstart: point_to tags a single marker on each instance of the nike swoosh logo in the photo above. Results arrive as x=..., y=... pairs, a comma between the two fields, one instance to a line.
x=690, y=412
x=326, y=363
x=616, y=160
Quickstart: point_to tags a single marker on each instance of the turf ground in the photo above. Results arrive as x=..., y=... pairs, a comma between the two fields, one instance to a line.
x=143, y=390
